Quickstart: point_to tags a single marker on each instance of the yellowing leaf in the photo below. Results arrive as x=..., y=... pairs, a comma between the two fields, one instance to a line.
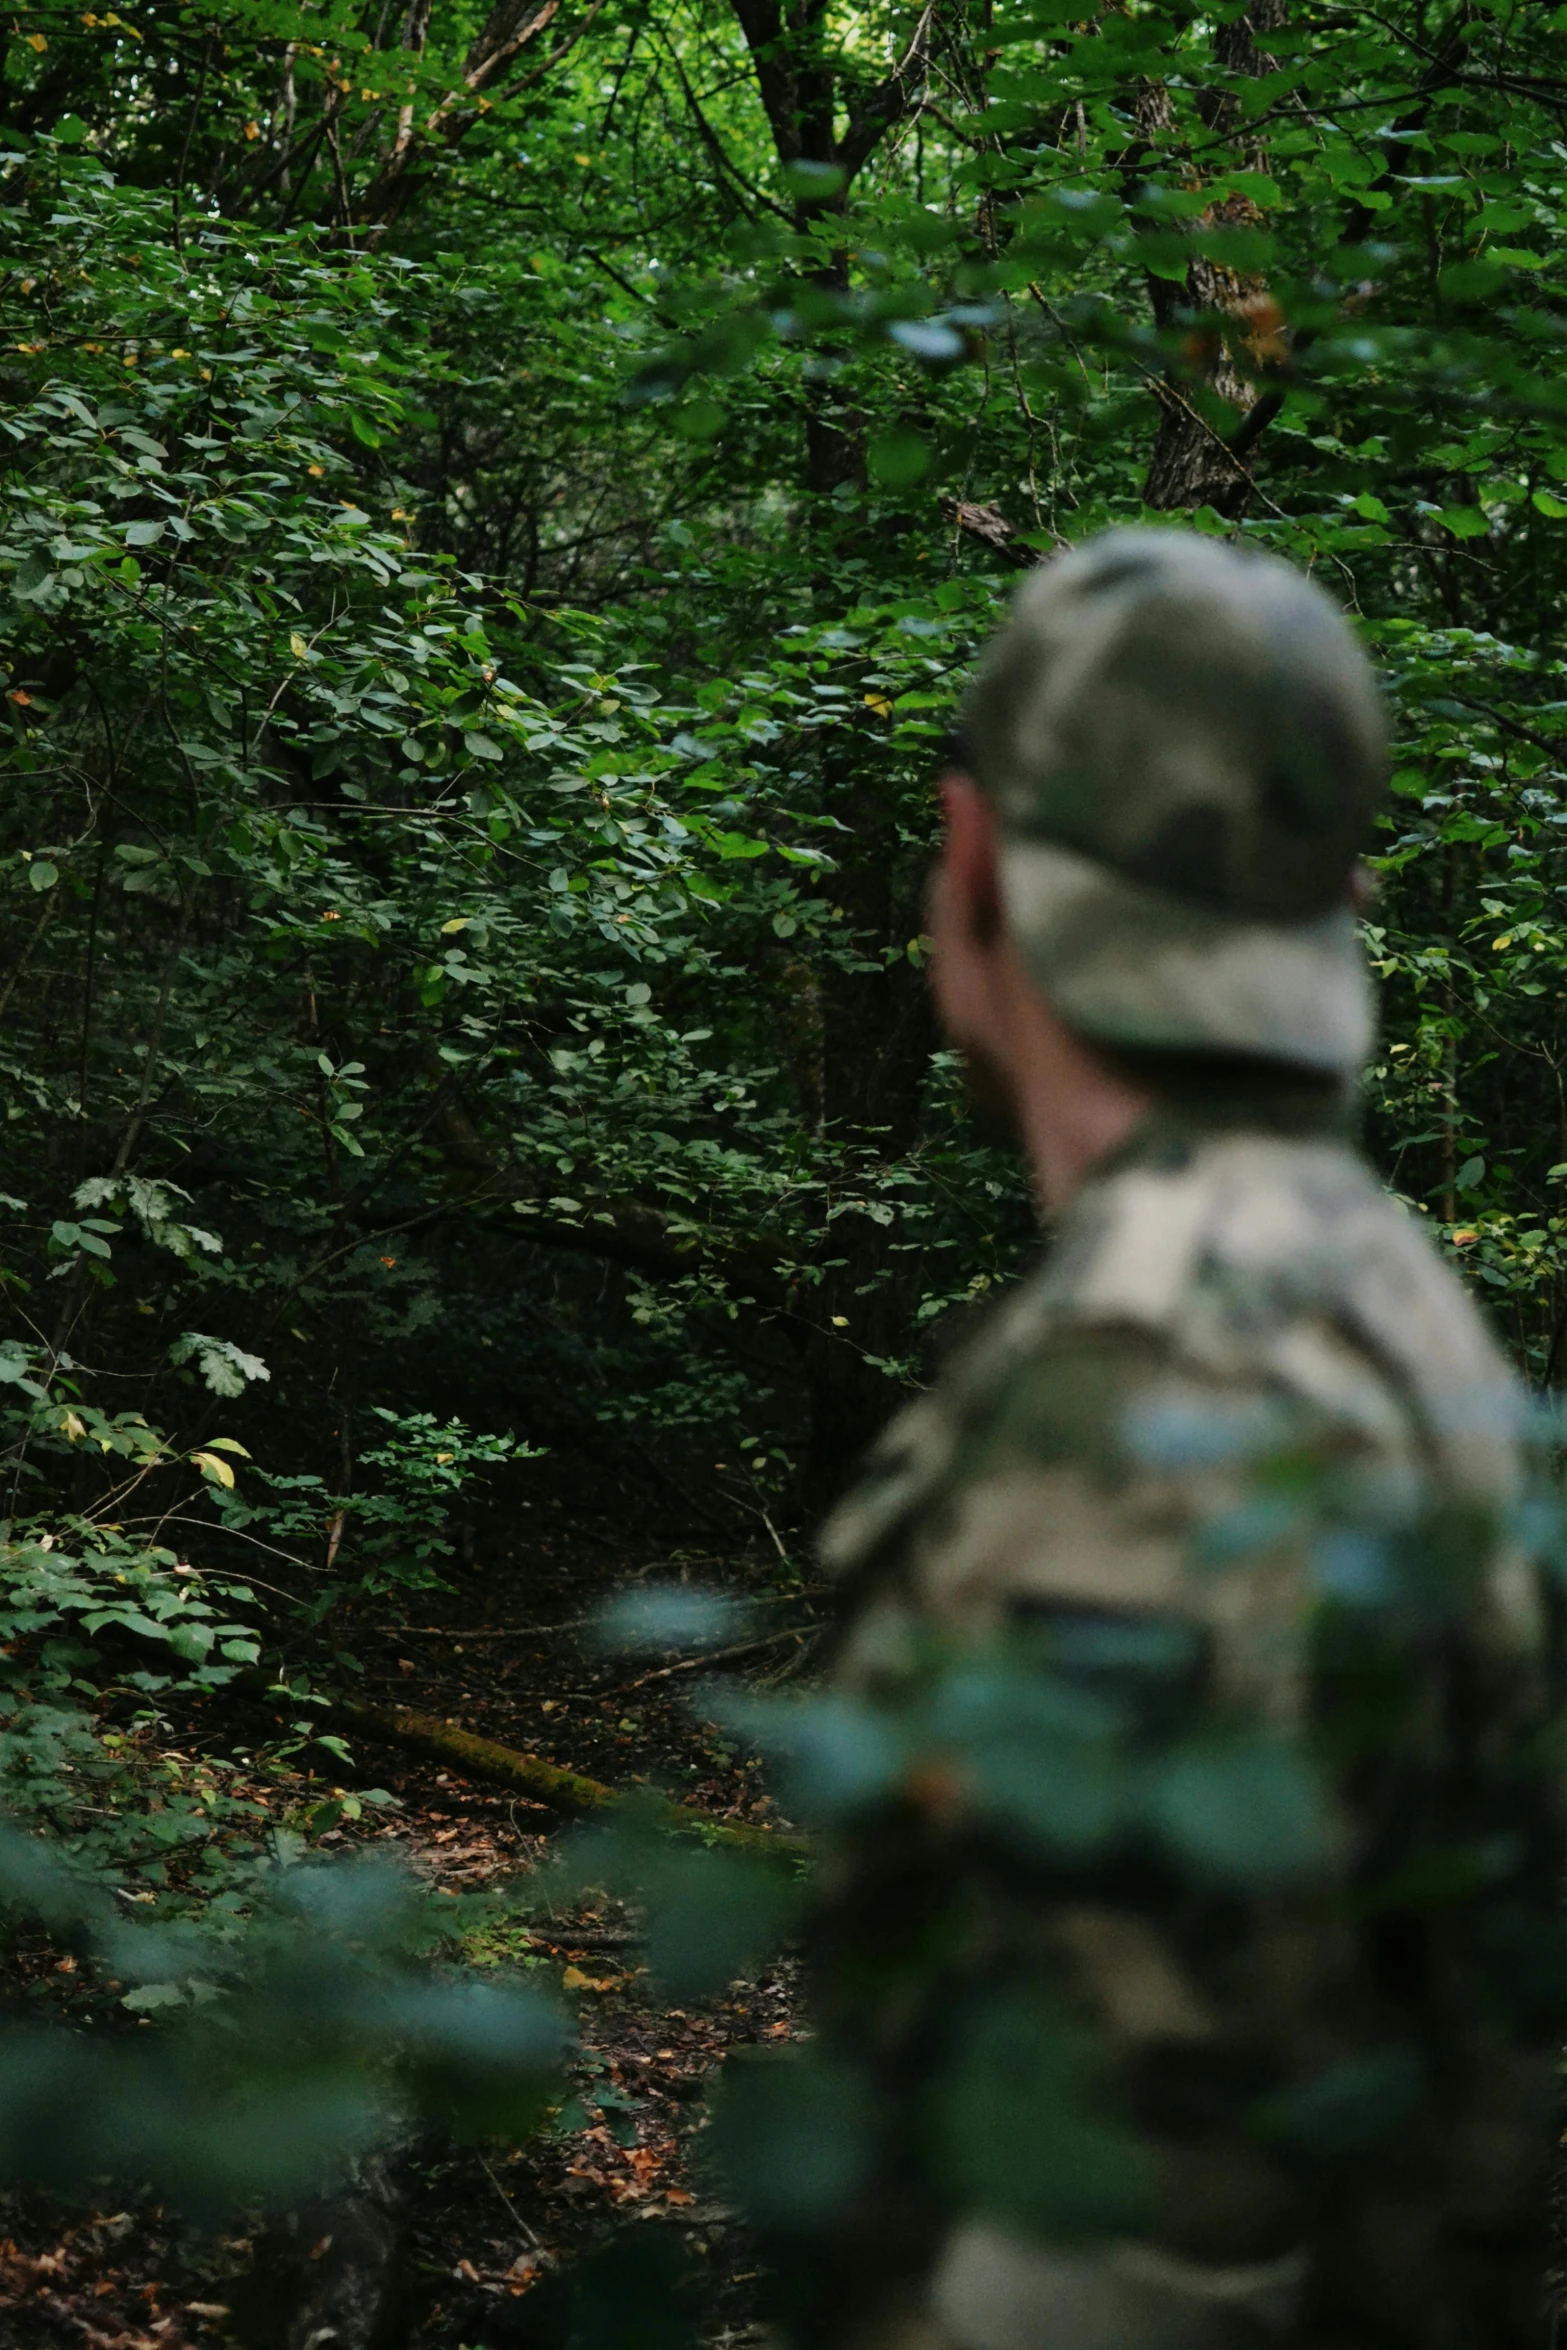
x=297, y=646
x=73, y=1427
x=459, y=922
x=1464, y=1238
x=213, y=1465
x=1505, y=940
x=880, y=704
x=575, y=1980
x=840, y=1321
x=37, y=41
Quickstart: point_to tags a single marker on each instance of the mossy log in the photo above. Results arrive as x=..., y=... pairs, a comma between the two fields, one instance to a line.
x=473, y=1757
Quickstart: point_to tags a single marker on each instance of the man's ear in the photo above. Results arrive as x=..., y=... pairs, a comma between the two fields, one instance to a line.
x=968, y=858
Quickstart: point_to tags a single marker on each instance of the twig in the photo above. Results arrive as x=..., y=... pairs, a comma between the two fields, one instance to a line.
x=396, y=1632
x=519, y=2222
x=773, y=1531
x=231, y=1534
x=38, y=929
x=721, y=1656
x=602, y=1938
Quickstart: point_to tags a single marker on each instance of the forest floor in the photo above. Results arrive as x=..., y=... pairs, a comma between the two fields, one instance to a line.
x=490, y=2235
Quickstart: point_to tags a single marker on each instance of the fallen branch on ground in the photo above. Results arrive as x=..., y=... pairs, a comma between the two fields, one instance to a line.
x=722, y=1656
x=473, y=1757
x=606, y=1938
x=459, y=1633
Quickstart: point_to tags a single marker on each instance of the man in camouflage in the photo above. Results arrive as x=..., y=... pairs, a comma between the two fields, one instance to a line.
x=1145, y=947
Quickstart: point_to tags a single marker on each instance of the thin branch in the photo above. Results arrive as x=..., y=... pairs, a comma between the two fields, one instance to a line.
x=722, y=1656
x=887, y=102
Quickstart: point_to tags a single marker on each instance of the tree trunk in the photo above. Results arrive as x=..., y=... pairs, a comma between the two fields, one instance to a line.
x=1234, y=324
x=870, y=1030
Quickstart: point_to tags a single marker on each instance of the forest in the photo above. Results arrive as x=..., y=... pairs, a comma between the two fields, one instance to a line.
x=496, y=513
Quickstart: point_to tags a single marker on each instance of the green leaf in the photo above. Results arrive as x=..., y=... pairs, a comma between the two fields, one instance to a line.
x=1471, y=281
x=898, y=459
x=697, y=420
x=1246, y=1810
x=1349, y=2107
x=813, y=183
x=1020, y=2131
x=227, y=1370
x=791, y=2136
x=41, y=874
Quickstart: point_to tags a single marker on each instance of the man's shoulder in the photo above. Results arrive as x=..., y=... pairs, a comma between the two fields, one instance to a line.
x=1261, y=1257
x=1250, y=1259
x=1238, y=1268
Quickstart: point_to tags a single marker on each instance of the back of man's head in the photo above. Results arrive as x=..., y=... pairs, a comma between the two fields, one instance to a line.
x=1185, y=747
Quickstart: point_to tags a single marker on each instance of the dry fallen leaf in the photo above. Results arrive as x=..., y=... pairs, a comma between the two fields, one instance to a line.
x=575, y=1980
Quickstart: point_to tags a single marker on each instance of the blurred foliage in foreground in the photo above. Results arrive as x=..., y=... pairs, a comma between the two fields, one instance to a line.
x=1106, y=1947
x=307, y=2037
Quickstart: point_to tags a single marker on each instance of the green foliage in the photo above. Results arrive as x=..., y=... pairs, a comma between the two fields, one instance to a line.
x=1021, y=2131
x=792, y=2138
x=395, y=1536
x=306, y=2036
x=1087, y=1762
x=490, y=545
x=69, y=1577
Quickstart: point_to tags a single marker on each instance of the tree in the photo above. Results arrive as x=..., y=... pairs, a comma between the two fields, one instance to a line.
x=484, y=602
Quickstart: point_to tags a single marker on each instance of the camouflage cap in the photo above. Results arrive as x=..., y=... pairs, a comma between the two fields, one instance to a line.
x=1186, y=747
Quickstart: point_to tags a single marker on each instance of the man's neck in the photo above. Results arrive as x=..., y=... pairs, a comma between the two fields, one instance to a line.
x=1076, y=1139
x=1071, y=1108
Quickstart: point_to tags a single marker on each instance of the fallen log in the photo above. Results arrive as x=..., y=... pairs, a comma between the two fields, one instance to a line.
x=473, y=1757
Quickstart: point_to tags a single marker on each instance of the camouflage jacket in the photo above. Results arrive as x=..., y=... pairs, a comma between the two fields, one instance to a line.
x=1241, y=1401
